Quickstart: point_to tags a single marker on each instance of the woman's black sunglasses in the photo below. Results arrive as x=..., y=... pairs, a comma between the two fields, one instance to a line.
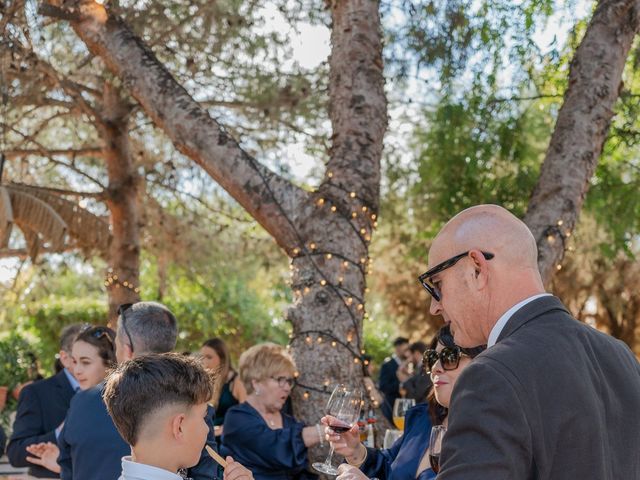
x=449, y=358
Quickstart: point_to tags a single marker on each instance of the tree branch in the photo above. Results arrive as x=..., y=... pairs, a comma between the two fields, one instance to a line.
x=80, y=152
x=270, y=199
x=595, y=80
x=44, y=153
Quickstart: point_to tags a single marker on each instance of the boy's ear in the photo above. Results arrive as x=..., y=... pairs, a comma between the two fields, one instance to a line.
x=177, y=423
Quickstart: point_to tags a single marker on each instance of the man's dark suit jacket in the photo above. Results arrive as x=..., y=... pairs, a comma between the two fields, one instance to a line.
x=91, y=447
x=389, y=386
x=42, y=407
x=554, y=399
x=3, y=440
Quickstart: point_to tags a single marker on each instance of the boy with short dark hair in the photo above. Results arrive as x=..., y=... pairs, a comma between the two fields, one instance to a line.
x=158, y=403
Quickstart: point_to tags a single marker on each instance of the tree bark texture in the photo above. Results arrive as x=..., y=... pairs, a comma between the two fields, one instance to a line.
x=326, y=233
x=595, y=81
x=123, y=278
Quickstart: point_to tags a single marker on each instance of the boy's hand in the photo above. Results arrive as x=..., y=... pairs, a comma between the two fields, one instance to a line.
x=45, y=455
x=235, y=471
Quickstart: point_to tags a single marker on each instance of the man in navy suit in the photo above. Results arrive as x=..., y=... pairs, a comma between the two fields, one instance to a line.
x=90, y=445
x=389, y=383
x=551, y=398
x=42, y=407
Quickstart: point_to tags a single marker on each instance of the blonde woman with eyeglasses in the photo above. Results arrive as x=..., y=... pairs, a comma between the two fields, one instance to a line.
x=270, y=443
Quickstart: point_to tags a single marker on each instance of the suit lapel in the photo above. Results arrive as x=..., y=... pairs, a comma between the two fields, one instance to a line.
x=530, y=311
x=62, y=382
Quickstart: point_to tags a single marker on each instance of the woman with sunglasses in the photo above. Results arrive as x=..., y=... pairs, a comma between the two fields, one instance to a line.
x=93, y=354
x=407, y=457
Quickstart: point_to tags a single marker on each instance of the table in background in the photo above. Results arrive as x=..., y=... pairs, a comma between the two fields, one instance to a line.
x=7, y=471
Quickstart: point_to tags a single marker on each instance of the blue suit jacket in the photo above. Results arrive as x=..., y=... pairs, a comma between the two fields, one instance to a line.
x=402, y=459
x=389, y=386
x=42, y=407
x=91, y=447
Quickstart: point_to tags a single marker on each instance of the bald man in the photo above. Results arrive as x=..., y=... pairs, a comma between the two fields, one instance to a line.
x=551, y=398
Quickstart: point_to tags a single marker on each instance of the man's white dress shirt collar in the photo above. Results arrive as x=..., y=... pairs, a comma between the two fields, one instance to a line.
x=139, y=471
x=502, y=321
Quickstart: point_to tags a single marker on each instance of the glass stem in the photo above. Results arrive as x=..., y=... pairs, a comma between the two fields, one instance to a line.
x=329, y=457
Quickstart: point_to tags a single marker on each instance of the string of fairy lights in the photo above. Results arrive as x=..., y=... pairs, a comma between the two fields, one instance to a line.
x=556, y=231
x=309, y=249
x=112, y=280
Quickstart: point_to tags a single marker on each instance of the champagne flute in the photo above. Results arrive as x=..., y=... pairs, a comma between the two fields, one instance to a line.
x=344, y=404
x=435, y=446
x=400, y=407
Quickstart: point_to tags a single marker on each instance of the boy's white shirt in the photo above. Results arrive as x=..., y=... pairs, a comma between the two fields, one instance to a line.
x=139, y=471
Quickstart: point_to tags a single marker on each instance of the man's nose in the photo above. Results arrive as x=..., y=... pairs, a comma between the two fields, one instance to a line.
x=435, y=308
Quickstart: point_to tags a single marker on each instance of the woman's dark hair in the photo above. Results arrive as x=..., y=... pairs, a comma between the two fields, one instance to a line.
x=444, y=337
x=220, y=347
x=103, y=339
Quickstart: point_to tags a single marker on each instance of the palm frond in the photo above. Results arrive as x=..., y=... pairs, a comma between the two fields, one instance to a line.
x=6, y=217
x=34, y=214
x=89, y=232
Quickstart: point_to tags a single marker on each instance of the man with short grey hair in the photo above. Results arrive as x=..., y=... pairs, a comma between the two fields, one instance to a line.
x=145, y=327
x=551, y=398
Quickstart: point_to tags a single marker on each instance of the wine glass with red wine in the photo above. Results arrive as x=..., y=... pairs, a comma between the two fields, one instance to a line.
x=435, y=446
x=344, y=405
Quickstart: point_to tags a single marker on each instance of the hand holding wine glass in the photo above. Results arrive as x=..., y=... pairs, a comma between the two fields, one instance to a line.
x=343, y=411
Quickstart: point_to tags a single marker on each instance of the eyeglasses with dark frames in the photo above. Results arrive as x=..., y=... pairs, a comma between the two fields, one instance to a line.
x=425, y=278
x=284, y=381
x=449, y=358
x=123, y=321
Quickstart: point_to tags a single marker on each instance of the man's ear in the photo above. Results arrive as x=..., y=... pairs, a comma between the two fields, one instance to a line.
x=177, y=423
x=480, y=272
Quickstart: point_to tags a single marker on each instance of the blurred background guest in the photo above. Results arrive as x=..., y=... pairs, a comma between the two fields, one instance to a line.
x=272, y=444
x=389, y=383
x=414, y=382
x=229, y=390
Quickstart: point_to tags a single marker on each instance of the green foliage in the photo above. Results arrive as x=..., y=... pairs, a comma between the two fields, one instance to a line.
x=477, y=150
x=14, y=369
x=14, y=362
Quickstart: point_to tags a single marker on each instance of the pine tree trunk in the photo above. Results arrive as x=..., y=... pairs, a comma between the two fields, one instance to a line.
x=123, y=278
x=595, y=81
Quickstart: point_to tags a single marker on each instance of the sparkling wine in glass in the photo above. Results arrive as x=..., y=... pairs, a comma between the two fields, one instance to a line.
x=344, y=405
x=435, y=446
x=400, y=407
